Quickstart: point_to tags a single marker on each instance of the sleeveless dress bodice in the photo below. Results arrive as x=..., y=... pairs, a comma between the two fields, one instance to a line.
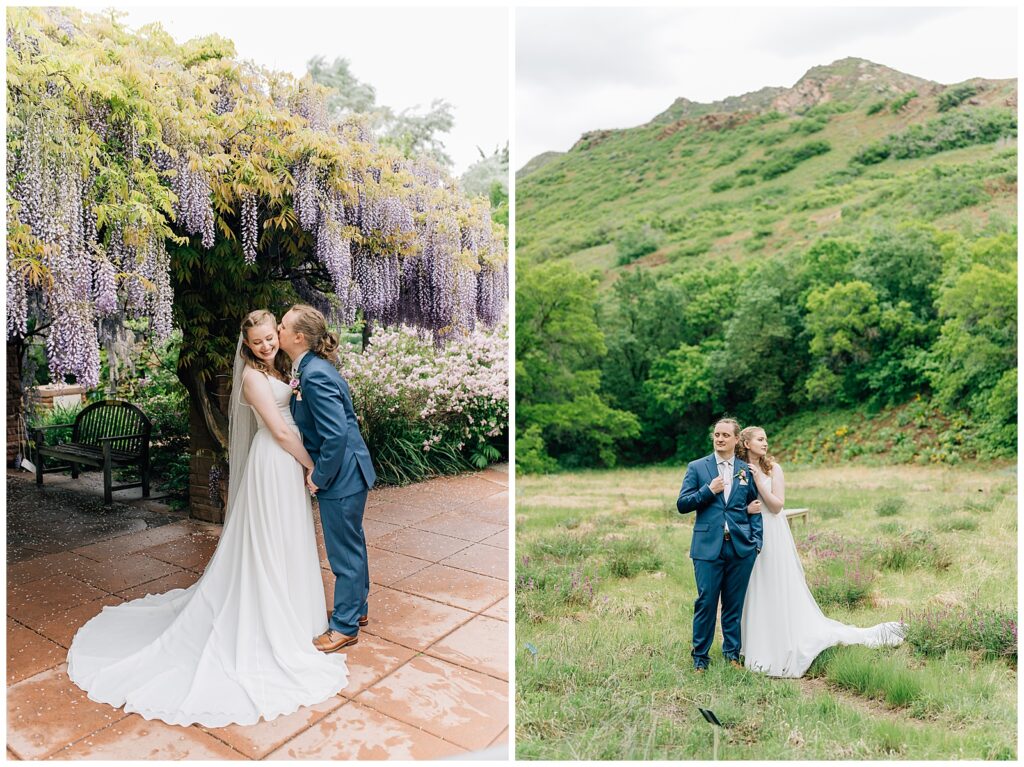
x=282, y=398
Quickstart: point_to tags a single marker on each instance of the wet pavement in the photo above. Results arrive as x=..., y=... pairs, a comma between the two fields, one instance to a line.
x=428, y=679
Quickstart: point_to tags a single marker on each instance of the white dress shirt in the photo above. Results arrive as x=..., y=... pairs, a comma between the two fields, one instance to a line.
x=725, y=472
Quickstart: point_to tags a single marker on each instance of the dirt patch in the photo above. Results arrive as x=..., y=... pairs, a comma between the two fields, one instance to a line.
x=827, y=216
x=811, y=687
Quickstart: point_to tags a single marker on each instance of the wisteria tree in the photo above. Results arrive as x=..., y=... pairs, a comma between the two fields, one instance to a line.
x=148, y=179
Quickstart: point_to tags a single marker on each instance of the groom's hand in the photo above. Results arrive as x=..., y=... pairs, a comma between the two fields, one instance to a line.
x=754, y=507
x=717, y=485
x=309, y=482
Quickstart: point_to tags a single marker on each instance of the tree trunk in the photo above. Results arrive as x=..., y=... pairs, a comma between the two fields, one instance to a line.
x=367, y=334
x=208, y=427
x=15, y=398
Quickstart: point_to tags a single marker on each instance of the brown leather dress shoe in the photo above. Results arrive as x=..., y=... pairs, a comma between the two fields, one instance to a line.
x=364, y=620
x=332, y=641
x=735, y=664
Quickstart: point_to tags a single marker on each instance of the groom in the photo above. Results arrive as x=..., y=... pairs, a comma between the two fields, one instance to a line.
x=342, y=472
x=727, y=536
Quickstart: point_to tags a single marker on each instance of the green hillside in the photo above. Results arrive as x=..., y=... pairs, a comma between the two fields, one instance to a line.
x=836, y=261
x=726, y=180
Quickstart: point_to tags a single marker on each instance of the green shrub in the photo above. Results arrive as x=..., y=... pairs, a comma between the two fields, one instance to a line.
x=956, y=524
x=57, y=415
x=786, y=160
x=891, y=506
x=912, y=551
x=872, y=675
x=951, y=131
x=843, y=581
x=636, y=241
x=542, y=587
x=809, y=125
x=877, y=107
x=955, y=96
x=631, y=556
x=531, y=455
x=935, y=631
x=720, y=185
x=900, y=104
x=568, y=547
x=891, y=528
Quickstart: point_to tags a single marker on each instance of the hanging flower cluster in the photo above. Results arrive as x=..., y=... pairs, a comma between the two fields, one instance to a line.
x=112, y=157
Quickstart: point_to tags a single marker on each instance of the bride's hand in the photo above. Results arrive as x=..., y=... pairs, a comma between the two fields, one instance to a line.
x=754, y=507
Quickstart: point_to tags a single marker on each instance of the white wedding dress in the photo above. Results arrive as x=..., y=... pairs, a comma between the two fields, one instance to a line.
x=238, y=644
x=782, y=628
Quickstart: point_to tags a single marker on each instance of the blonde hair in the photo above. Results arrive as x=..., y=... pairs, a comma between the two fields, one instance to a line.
x=729, y=420
x=253, y=320
x=313, y=325
x=766, y=461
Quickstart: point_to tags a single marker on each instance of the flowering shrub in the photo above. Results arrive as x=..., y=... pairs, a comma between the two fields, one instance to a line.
x=989, y=630
x=839, y=572
x=426, y=410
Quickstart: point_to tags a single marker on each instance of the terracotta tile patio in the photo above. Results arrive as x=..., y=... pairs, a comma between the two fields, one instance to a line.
x=428, y=679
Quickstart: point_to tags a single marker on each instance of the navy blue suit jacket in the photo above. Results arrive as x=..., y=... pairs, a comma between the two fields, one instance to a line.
x=330, y=431
x=747, y=530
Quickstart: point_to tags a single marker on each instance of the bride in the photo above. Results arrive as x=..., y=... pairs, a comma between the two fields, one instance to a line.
x=236, y=645
x=782, y=627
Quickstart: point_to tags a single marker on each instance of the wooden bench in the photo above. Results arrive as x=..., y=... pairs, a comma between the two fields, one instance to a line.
x=791, y=514
x=105, y=434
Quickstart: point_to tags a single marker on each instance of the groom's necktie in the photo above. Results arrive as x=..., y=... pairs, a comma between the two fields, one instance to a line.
x=725, y=470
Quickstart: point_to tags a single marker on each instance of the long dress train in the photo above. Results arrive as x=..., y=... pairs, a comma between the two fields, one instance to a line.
x=236, y=645
x=782, y=628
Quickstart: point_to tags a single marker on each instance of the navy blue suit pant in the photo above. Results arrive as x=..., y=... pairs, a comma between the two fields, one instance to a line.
x=342, y=523
x=726, y=578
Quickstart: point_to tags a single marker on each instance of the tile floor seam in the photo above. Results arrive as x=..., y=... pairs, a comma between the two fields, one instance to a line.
x=154, y=580
x=37, y=633
x=468, y=540
x=76, y=741
x=431, y=644
x=463, y=665
x=285, y=742
x=438, y=601
x=221, y=740
x=432, y=561
x=474, y=572
x=114, y=537
x=405, y=722
x=112, y=593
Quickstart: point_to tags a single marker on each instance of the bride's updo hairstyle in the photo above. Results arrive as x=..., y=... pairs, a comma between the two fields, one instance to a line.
x=743, y=452
x=254, y=320
x=313, y=325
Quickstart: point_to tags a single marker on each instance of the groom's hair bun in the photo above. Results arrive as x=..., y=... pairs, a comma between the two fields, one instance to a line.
x=313, y=325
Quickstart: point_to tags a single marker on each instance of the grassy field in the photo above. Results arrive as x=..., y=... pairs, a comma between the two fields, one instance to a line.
x=604, y=605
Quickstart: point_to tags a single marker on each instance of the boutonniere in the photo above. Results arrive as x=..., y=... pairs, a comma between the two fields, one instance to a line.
x=742, y=475
x=296, y=391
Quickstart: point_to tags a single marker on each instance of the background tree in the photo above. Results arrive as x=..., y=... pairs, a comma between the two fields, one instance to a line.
x=558, y=350
x=148, y=179
x=414, y=132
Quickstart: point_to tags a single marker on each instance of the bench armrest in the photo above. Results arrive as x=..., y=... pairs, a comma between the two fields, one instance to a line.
x=122, y=436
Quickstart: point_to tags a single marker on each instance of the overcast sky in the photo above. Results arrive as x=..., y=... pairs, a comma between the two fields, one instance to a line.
x=410, y=55
x=580, y=69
